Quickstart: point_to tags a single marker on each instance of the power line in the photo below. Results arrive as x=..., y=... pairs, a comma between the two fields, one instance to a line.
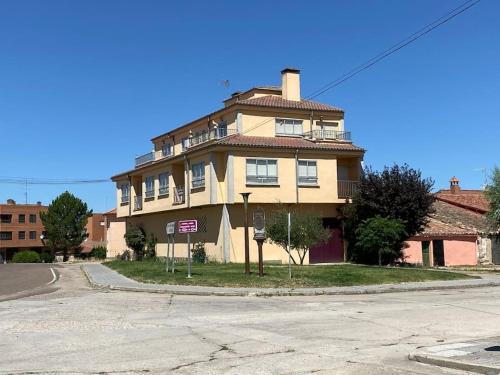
x=396, y=47
x=49, y=181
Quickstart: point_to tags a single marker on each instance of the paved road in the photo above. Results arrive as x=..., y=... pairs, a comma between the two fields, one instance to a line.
x=81, y=330
x=21, y=279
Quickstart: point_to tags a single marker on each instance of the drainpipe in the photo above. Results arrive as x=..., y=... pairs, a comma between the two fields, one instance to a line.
x=311, y=123
x=130, y=195
x=297, y=175
x=186, y=185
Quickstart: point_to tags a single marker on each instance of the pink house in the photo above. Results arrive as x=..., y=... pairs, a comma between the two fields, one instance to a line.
x=457, y=233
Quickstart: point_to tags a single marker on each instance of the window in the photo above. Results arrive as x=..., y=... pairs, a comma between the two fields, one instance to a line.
x=22, y=218
x=125, y=193
x=288, y=127
x=150, y=187
x=166, y=149
x=185, y=143
x=5, y=218
x=22, y=235
x=198, y=171
x=32, y=235
x=262, y=171
x=32, y=218
x=221, y=130
x=163, y=180
x=308, y=172
x=6, y=236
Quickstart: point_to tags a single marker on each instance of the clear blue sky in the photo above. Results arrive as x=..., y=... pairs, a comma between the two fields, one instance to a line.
x=85, y=84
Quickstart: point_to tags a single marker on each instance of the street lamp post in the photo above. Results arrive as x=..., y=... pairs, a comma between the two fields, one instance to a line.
x=247, y=244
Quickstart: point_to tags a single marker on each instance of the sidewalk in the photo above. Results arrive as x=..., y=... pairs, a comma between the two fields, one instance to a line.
x=481, y=356
x=101, y=276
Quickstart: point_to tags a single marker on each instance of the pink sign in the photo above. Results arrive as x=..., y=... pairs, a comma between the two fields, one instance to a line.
x=188, y=226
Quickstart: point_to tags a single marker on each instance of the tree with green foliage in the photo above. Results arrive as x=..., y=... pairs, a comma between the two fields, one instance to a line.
x=151, y=246
x=135, y=238
x=306, y=231
x=492, y=193
x=398, y=192
x=380, y=238
x=64, y=223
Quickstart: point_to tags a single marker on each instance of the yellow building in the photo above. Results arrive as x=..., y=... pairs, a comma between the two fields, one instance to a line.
x=267, y=141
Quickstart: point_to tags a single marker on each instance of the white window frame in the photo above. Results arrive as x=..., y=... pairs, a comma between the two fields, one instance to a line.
x=150, y=190
x=185, y=143
x=308, y=179
x=166, y=149
x=198, y=175
x=163, y=188
x=261, y=179
x=293, y=124
x=125, y=197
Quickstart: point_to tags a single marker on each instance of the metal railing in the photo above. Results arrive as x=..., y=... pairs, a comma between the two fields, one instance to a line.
x=347, y=188
x=143, y=159
x=179, y=194
x=138, y=203
x=329, y=135
x=198, y=183
x=210, y=135
x=149, y=193
x=125, y=199
x=163, y=190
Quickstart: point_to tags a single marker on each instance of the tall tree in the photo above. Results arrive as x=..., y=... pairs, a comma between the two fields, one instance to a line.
x=65, y=222
x=493, y=195
x=306, y=231
x=398, y=192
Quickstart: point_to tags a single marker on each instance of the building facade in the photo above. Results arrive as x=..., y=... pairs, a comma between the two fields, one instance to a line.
x=267, y=141
x=20, y=228
x=458, y=232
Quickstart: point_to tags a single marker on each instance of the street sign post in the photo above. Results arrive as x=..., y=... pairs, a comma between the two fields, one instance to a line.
x=170, y=228
x=259, y=234
x=188, y=227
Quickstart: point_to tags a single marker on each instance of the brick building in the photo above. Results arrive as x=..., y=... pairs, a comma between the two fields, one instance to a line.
x=20, y=228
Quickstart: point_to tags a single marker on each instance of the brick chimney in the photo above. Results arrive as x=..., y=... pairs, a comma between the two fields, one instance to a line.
x=454, y=186
x=290, y=84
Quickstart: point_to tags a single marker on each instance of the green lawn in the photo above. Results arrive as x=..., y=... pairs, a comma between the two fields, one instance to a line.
x=232, y=275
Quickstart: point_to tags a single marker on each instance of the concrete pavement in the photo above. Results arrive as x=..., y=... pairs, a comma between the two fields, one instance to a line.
x=101, y=276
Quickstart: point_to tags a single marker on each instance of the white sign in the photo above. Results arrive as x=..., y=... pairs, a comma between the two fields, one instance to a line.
x=171, y=227
x=188, y=226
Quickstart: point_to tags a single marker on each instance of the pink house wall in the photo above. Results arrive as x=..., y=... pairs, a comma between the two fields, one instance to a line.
x=456, y=252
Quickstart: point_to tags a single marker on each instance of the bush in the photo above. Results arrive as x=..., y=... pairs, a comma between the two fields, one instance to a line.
x=46, y=257
x=99, y=252
x=124, y=256
x=28, y=256
x=199, y=254
x=135, y=238
x=151, y=247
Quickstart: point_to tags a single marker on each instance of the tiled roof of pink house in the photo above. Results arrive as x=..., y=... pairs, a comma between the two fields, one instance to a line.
x=279, y=102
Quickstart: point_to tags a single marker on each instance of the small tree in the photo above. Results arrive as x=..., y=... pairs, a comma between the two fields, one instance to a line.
x=151, y=246
x=380, y=239
x=306, y=231
x=493, y=195
x=65, y=222
x=135, y=238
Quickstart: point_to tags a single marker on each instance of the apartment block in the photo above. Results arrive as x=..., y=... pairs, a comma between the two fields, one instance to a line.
x=267, y=141
x=20, y=228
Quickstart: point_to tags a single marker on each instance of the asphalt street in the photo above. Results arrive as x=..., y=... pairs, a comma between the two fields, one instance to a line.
x=20, y=280
x=77, y=329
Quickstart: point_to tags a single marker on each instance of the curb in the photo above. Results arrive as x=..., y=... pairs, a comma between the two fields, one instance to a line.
x=454, y=364
x=242, y=292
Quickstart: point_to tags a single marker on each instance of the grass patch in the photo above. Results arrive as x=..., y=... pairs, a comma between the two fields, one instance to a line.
x=232, y=275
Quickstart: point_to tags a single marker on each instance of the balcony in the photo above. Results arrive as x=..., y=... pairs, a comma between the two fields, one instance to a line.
x=163, y=191
x=198, y=183
x=213, y=134
x=347, y=188
x=329, y=135
x=138, y=203
x=144, y=159
x=179, y=194
x=125, y=199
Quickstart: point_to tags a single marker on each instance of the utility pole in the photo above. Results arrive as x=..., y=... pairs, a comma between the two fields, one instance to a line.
x=247, y=244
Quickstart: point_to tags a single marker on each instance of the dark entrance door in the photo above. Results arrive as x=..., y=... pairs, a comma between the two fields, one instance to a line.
x=495, y=250
x=438, y=252
x=331, y=251
x=425, y=253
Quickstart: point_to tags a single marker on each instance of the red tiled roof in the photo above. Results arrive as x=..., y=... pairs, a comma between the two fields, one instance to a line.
x=439, y=228
x=473, y=200
x=279, y=102
x=287, y=143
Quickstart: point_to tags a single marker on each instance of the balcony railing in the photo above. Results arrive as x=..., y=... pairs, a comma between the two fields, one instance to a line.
x=210, y=135
x=347, y=188
x=138, y=203
x=149, y=193
x=179, y=195
x=198, y=183
x=125, y=199
x=143, y=159
x=329, y=135
x=163, y=190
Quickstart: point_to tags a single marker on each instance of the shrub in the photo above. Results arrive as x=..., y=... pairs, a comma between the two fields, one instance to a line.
x=99, y=252
x=151, y=247
x=28, y=256
x=135, y=238
x=124, y=256
x=199, y=254
x=46, y=257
